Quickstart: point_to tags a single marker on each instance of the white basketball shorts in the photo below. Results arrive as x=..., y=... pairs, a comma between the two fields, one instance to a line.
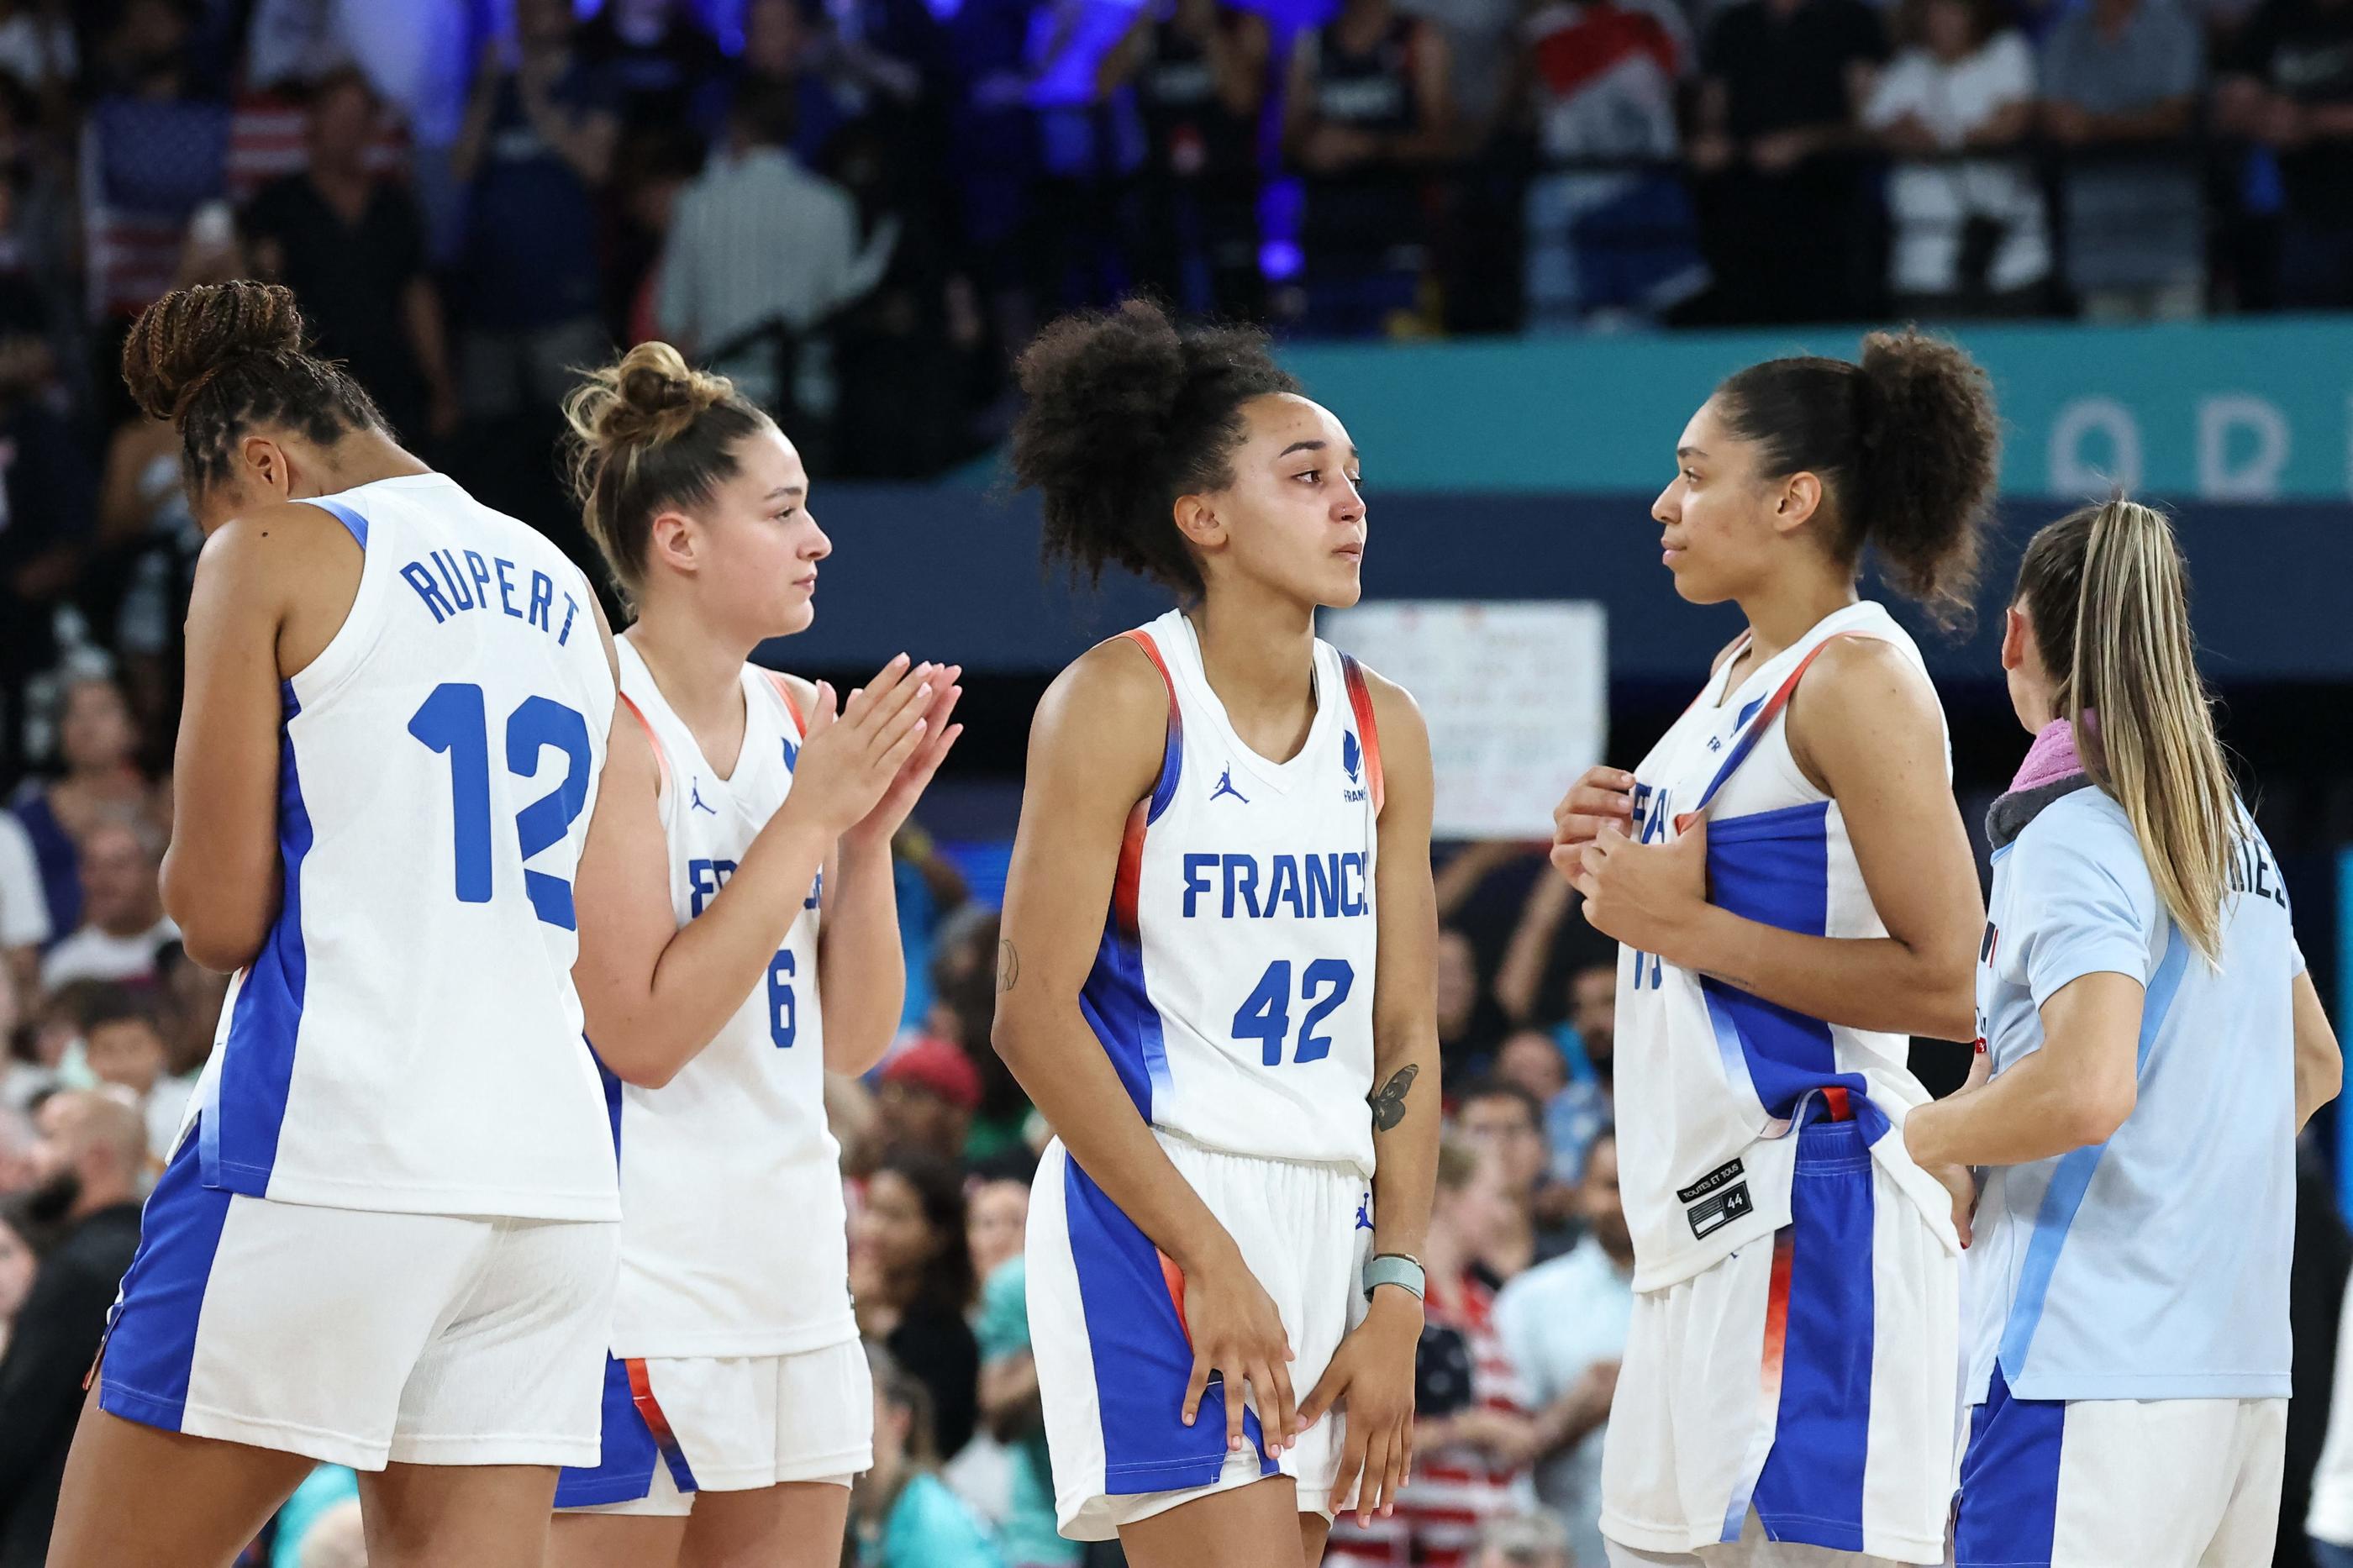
x=359, y=1338
x=677, y=1427
x=2120, y=1483
x=1108, y=1331
x=1812, y=1381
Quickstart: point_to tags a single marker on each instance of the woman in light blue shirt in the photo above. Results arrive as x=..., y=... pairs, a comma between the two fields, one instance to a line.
x=2150, y=1046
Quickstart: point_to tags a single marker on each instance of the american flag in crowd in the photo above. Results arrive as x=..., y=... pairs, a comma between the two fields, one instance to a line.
x=146, y=167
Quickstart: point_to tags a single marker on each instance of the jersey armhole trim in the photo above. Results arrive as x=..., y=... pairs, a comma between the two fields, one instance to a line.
x=1360, y=699
x=792, y=706
x=1766, y=714
x=350, y=520
x=1172, y=756
x=661, y=758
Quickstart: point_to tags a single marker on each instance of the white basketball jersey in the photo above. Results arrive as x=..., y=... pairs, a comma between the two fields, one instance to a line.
x=1234, y=987
x=408, y=1038
x=1712, y=1080
x=734, y=1238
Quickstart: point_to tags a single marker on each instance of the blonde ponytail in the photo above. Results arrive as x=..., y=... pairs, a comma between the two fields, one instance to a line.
x=2108, y=596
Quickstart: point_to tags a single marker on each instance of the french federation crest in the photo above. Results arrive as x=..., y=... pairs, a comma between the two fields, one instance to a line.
x=1352, y=756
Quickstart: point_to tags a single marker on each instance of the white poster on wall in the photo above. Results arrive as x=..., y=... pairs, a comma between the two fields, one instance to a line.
x=1516, y=696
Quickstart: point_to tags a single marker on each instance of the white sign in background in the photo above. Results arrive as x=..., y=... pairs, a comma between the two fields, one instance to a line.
x=1516, y=696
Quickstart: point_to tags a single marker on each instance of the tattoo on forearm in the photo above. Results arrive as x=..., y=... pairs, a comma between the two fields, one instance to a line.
x=1008, y=966
x=1388, y=1100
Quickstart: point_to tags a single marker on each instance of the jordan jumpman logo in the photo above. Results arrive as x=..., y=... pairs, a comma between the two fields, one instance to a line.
x=1225, y=786
x=694, y=793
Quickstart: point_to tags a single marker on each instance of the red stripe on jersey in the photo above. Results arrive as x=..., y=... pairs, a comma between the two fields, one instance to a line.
x=660, y=761
x=785, y=689
x=1369, y=730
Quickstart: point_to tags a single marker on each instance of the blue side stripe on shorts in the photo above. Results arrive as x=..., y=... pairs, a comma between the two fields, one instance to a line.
x=2071, y=1179
x=151, y=1347
x=624, y=1461
x=2009, y=1481
x=1142, y=1358
x=241, y=1121
x=1810, y=1489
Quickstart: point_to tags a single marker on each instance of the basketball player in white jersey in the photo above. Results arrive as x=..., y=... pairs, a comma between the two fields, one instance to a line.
x=738, y=814
x=1217, y=941
x=387, y=1237
x=2154, y=1046
x=1793, y=889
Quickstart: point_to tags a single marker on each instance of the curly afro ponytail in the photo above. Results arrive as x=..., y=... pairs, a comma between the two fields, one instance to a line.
x=1127, y=411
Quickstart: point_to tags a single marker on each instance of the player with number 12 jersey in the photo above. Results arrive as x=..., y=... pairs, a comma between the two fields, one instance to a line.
x=386, y=1238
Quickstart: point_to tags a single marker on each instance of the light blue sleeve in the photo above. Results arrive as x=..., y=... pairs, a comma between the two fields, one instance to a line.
x=2085, y=902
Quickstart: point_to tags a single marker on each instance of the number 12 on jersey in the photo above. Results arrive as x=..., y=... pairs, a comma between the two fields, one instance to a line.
x=453, y=720
x=1265, y=1017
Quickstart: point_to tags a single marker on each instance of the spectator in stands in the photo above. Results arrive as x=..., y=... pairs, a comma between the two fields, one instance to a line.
x=926, y=1098
x=1969, y=233
x=94, y=1152
x=1601, y=80
x=123, y=927
x=350, y=242
x=1009, y=1408
x=196, y=996
x=156, y=150
x=911, y=1274
x=1531, y=1059
x=963, y=984
x=1368, y=110
x=536, y=150
x=46, y=513
x=23, y=910
x=97, y=745
x=761, y=253
x=657, y=56
x=36, y=44
x=1469, y=1024
x=1526, y=1541
x=2116, y=73
x=1564, y=1325
x=311, y=1529
x=1781, y=194
x=783, y=47
x=126, y=1044
x=1502, y=1117
x=1473, y=1435
x=906, y=1515
x=18, y=1264
x=1588, y=1041
x=998, y=1220
x=2288, y=83
x=1201, y=79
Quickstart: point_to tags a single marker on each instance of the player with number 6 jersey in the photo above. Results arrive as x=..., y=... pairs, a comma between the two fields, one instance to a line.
x=1217, y=943
x=387, y=1237
x=739, y=940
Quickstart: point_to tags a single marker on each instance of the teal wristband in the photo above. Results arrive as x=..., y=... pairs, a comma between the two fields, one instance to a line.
x=1395, y=1269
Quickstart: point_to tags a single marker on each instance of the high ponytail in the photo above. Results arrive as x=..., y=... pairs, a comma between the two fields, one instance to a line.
x=1905, y=443
x=2109, y=597
x=648, y=433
